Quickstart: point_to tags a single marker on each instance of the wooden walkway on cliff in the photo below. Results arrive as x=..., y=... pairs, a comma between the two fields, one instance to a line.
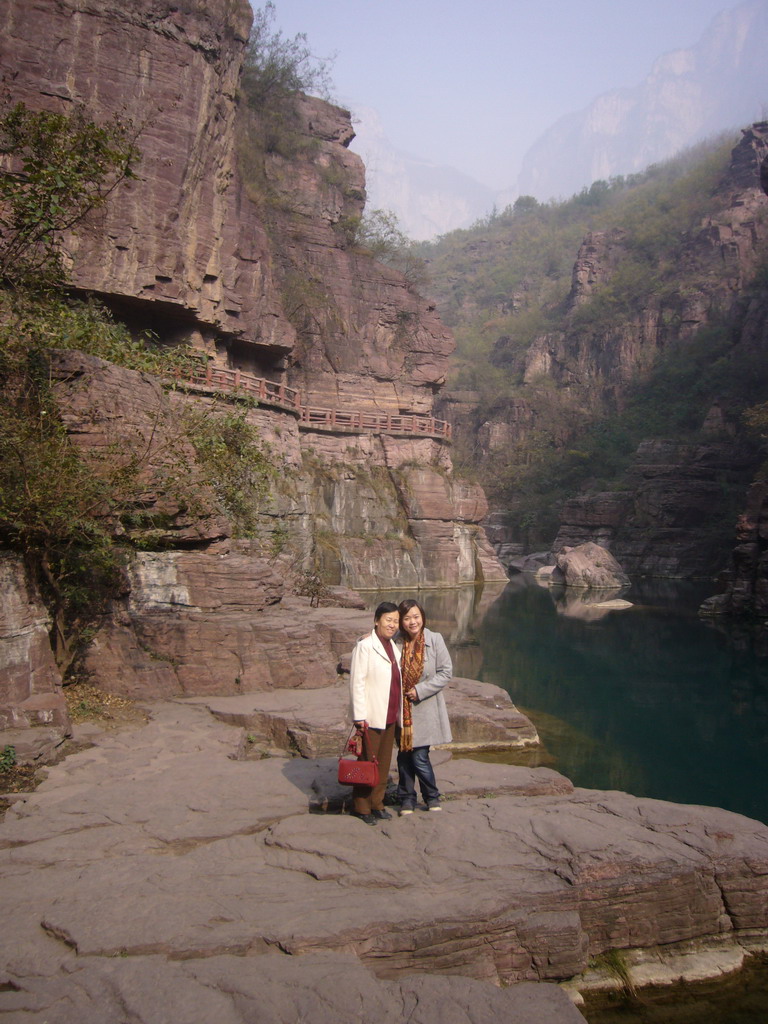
x=280, y=396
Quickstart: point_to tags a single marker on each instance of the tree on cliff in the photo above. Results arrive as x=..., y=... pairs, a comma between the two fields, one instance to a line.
x=277, y=70
x=276, y=66
x=54, y=170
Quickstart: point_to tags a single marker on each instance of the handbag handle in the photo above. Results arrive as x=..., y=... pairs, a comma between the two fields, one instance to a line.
x=348, y=748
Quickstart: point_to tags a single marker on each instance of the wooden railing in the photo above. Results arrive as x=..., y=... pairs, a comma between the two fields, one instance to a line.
x=374, y=423
x=266, y=391
x=279, y=395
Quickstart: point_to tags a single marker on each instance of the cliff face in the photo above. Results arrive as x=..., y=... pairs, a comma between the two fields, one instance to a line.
x=172, y=243
x=260, y=276
x=250, y=258
x=718, y=261
x=673, y=510
x=675, y=516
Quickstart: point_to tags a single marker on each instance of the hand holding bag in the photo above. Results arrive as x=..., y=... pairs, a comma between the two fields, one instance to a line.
x=357, y=772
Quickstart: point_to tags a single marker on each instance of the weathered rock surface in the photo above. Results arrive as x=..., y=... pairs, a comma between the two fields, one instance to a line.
x=215, y=622
x=312, y=721
x=392, y=525
x=590, y=567
x=666, y=522
x=153, y=870
x=33, y=713
x=746, y=594
x=326, y=988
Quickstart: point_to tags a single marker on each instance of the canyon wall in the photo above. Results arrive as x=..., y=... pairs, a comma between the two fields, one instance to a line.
x=247, y=253
x=672, y=512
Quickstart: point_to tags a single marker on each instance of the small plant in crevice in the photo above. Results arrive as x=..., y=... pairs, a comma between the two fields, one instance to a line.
x=311, y=583
x=8, y=758
x=614, y=962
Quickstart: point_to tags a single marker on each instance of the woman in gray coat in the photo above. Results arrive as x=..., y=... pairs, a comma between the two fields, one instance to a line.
x=426, y=668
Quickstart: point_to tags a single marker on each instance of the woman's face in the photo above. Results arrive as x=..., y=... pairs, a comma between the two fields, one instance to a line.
x=413, y=622
x=387, y=625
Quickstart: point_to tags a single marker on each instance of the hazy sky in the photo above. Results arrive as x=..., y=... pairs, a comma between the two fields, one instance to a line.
x=473, y=83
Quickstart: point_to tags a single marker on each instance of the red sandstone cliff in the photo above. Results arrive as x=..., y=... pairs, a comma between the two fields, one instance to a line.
x=250, y=258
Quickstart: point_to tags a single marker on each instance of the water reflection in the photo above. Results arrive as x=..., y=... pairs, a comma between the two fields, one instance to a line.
x=647, y=699
x=589, y=605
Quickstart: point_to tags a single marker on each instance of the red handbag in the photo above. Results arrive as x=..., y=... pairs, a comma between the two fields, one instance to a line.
x=356, y=771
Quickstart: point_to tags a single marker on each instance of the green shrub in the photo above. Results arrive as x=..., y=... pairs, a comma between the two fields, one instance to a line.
x=56, y=168
x=237, y=464
x=7, y=758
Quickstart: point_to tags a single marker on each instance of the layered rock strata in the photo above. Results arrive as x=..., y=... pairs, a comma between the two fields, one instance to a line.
x=673, y=518
x=311, y=722
x=524, y=882
x=33, y=713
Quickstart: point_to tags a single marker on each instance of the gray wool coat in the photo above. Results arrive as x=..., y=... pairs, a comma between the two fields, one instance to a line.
x=430, y=715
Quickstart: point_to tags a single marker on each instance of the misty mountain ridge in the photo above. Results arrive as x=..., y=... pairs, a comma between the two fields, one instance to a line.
x=429, y=199
x=691, y=94
x=720, y=83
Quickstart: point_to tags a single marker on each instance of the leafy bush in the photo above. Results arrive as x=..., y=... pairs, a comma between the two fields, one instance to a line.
x=237, y=464
x=380, y=234
x=276, y=70
x=7, y=759
x=276, y=66
x=54, y=169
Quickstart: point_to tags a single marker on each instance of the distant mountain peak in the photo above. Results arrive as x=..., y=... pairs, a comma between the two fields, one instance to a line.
x=688, y=95
x=428, y=199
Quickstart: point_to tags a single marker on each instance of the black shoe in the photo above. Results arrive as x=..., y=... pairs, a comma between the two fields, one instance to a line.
x=382, y=814
x=369, y=819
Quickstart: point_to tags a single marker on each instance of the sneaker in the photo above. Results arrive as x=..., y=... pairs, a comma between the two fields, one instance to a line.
x=381, y=814
x=369, y=819
x=434, y=807
x=405, y=810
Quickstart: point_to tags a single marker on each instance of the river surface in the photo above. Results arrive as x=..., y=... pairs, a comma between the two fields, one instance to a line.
x=650, y=699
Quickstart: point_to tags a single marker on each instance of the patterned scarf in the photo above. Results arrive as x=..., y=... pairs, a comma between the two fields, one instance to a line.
x=413, y=663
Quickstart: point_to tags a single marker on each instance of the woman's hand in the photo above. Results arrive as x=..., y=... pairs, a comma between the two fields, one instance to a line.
x=412, y=695
x=359, y=726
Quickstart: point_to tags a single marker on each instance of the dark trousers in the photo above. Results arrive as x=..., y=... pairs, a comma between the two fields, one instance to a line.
x=411, y=765
x=377, y=743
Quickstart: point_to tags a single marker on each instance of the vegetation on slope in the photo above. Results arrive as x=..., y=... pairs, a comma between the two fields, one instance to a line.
x=74, y=518
x=504, y=284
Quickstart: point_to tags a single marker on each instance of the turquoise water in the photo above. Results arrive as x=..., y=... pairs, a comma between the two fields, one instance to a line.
x=650, y=699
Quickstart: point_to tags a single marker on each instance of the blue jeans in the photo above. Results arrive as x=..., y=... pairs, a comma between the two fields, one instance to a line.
x=411, y=765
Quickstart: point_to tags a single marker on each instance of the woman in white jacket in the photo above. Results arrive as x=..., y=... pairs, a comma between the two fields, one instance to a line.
x=377, y=699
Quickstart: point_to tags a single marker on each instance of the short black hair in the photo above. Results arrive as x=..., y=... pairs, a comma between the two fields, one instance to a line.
x=383, y=609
